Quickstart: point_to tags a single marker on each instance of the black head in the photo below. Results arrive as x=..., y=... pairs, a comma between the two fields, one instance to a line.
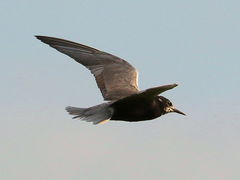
x=167, y=105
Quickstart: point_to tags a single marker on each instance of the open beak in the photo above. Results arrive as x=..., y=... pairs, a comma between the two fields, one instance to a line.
x=177, y=111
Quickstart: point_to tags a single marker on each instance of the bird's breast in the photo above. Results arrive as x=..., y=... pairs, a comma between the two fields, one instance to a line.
x=138, y=110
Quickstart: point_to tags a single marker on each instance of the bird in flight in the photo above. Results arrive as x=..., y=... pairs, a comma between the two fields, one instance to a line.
x=118, y=83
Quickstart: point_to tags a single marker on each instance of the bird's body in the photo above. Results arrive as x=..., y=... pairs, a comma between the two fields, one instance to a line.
x=118, y=82
x=137, y=110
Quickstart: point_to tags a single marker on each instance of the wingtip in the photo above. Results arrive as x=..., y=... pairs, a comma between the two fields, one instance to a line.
x=39, y=37
x=45, y=39
x=172, y=85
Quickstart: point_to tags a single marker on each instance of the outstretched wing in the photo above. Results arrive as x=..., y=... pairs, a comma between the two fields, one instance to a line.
x=152, y=92
x=147, y=94
x=115, y=77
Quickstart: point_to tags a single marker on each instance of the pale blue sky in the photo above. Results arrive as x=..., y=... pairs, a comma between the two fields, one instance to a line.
x=192, y=43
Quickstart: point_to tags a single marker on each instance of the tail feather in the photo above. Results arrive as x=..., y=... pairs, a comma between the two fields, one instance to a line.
x=95, y=114
x=75, y=110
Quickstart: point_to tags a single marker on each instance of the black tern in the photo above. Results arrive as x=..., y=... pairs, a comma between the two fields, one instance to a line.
x=118, y=82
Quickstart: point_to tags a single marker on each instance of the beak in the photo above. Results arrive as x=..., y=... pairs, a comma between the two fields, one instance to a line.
x=177, y=111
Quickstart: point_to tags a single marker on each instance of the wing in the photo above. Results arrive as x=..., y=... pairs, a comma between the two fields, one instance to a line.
x=152, y=92
x=115, y=77
x=147, y=94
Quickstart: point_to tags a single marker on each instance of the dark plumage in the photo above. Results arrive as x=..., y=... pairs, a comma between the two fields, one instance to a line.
x=118, y=82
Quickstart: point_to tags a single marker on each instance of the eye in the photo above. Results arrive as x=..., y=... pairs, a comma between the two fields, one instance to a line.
x=169, y=103
x=160, y=99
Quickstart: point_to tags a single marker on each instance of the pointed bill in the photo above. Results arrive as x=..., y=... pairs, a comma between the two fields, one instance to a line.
x=177, y=111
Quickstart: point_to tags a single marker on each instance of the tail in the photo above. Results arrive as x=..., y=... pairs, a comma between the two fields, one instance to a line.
x=96, y=114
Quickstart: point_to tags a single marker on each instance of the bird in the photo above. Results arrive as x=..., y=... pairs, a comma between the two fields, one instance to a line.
x=118, y=82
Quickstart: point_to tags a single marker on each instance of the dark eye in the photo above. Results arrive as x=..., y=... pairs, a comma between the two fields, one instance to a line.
x=169, y=103
x=160, y=99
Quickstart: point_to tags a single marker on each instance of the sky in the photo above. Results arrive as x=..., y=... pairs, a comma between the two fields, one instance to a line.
x=192, y=43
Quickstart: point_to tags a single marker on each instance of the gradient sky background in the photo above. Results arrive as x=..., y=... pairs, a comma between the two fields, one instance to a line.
x=193, y=43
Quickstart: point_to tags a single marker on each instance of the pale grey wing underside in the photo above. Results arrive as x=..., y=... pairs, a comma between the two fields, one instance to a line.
x=115, y=77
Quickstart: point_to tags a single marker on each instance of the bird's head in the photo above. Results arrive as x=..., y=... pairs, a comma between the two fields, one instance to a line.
x=167, y=105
